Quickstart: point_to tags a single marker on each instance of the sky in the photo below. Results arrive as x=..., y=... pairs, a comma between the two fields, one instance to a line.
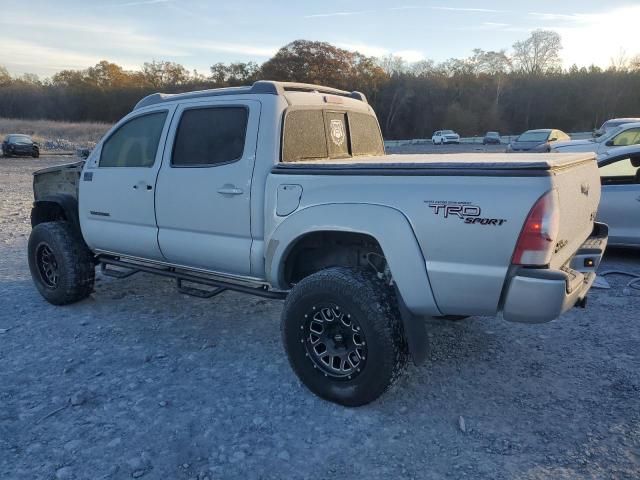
x=44, y=37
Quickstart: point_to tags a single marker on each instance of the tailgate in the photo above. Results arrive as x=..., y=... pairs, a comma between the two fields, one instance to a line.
x=578, y=187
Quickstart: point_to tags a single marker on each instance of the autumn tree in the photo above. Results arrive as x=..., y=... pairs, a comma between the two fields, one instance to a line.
x=234, y=73
x=538, y=54
x=321, y=63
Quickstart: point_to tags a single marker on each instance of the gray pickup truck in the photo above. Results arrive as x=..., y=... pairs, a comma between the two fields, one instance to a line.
x=284, y=190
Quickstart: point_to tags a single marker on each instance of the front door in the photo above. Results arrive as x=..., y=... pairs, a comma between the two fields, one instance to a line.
x=203, y=194
x=117, y=187
x=620, y=201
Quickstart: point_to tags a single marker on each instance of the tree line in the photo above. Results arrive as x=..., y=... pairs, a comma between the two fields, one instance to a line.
x=489, y=90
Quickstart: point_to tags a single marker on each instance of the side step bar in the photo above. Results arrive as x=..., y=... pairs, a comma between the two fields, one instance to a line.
x=126, y=269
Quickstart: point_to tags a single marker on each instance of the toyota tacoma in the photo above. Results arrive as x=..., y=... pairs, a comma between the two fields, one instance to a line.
x=284, y=190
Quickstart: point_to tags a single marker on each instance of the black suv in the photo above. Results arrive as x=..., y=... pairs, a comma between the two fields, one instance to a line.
x=17, y=144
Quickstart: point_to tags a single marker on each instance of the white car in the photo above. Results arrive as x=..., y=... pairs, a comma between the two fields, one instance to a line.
x=613, y=123
x=620, y=201
x=445, y=136
x=627, y=134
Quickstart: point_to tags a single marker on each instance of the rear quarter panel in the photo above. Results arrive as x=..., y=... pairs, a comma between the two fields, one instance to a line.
x=466, y=262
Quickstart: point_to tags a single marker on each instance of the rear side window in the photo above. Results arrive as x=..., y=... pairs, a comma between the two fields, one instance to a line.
x=135, y=143
x=210, y=136
x=321, y=134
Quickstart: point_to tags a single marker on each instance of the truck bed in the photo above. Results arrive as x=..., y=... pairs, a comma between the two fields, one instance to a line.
x=529, y=162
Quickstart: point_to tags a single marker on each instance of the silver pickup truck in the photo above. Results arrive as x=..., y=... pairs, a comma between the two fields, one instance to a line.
x=284, y=190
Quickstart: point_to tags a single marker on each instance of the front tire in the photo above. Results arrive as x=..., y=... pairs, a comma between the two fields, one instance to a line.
x=61, y=265
x=342, y=333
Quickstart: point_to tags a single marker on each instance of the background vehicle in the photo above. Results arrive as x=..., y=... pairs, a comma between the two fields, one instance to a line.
x=621, y=136
x=613, y=123
x=620, y=202
x=538, y=141
x=18, y=144
x=445, y=136
x=284, y=190
x=491, y=138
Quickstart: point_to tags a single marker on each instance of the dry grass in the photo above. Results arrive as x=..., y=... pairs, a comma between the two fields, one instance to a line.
x=85, y=133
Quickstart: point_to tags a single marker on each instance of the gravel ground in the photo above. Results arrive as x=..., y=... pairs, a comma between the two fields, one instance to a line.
x=141, y=381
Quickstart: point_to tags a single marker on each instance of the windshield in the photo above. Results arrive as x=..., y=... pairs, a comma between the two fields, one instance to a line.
x=533, y=137
x=447, y=132
x=611, y=133
x=19, y=139
x=493, y=134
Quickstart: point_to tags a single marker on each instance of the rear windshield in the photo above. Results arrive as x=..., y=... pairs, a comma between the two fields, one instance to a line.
x=19, y=139
x=320, y=134
x=533, y=137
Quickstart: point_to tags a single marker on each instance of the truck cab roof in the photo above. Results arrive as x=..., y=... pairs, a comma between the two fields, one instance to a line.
x=292, y=91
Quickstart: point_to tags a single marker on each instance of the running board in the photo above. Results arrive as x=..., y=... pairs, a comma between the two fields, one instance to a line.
x=198, y=292
x=130, y=268
x=115, y=273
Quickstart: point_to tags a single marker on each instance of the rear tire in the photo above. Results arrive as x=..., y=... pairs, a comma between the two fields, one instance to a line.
x=342, y=333
x=61, y=265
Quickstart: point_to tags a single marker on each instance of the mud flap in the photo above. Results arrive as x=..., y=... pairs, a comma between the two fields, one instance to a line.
x=415, y=332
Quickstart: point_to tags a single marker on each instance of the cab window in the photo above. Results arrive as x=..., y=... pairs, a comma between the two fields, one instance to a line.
x=135, y=143
x=210, y=136
x=628, y=137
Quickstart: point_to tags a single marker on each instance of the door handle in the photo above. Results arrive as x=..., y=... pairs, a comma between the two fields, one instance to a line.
x=148, y=187
x=230, y=190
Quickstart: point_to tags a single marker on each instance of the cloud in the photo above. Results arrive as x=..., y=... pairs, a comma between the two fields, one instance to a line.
x=240, y=49
x=405, y=7
x=597, y=37
x=410, y=56
x=335, y=14
x=464, y=9
x=135, y=3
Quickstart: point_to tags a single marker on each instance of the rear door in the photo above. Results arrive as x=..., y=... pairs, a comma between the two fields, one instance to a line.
x=117, y=187
x=203, y=196
x=620, y=202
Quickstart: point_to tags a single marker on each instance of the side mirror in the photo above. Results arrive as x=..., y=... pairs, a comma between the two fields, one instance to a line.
x=609, y=143
x=553, y=139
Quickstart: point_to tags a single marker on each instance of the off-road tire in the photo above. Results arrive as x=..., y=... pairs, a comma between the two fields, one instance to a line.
x=374, y=306
x=74, y=263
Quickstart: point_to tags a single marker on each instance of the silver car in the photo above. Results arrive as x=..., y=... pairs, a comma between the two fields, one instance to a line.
x=620, y=201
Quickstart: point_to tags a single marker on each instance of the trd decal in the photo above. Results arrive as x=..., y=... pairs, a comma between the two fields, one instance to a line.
x=465, y=211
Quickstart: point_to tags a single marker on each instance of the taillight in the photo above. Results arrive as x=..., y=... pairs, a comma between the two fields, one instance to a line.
x=539, y=234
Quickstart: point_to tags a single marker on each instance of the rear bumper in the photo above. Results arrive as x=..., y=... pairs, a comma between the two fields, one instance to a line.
x=536, y=295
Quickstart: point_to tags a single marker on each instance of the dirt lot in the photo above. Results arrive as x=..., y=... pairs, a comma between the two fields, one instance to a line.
x=141, y=381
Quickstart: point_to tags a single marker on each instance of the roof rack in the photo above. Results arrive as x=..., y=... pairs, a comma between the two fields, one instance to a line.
x=264, y=87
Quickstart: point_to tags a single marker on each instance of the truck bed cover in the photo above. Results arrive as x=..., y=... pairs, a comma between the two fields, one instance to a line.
x=460, y=162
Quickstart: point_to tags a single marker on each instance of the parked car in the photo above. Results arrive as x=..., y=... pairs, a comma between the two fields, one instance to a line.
x=445, y=136
x=620, y=201
x=294, y=198
x=18, y=144
x=540, y=140
x=613, y=123
x=621, y=136
x=491, y=138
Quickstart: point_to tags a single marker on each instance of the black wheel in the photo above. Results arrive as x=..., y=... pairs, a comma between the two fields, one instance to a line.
x=61, y=264
x=36, y=153
x=342, y=333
